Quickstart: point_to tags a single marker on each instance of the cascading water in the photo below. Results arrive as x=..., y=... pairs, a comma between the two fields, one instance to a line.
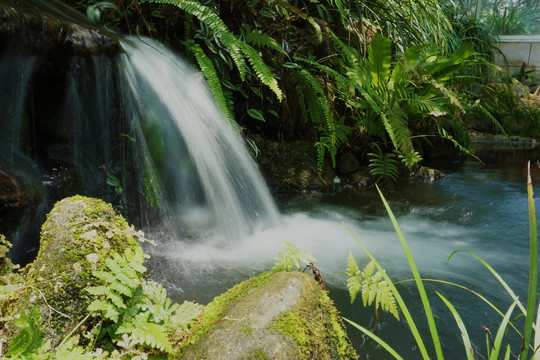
x=202, y=170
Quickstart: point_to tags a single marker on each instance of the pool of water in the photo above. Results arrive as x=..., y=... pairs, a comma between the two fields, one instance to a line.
x=478, y=207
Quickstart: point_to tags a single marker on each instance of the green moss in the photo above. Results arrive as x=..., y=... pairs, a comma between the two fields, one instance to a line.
x=321, y=337
x=214, y=310
x=79, y=234
x=260, y=355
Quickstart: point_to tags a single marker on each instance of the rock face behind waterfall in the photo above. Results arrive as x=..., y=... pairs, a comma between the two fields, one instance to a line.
x=47, y=26
x=285, y=315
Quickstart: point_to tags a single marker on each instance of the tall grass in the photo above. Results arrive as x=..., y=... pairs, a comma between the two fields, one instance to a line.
x=493, y=349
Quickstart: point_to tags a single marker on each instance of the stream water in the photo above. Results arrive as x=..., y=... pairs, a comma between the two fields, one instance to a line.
x=480, y=208
x=221, y=224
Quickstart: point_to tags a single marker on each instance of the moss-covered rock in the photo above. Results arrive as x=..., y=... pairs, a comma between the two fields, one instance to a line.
x=79, y=234
x=284, y=315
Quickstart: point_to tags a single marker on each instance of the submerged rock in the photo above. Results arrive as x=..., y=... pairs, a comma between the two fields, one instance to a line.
x=284, y=315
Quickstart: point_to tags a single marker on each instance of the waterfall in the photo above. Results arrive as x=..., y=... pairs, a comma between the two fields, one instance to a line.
x=122, y=119
x=206, y=177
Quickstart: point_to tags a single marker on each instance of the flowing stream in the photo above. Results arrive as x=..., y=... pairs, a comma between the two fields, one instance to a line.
x=478, y=208
x=221, y=226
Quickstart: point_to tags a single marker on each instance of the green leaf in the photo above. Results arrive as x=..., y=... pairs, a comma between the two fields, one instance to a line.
x=380, y=60
x=256, y=114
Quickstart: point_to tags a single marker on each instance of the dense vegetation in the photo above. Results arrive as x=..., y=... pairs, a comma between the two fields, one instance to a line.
x=384, y=80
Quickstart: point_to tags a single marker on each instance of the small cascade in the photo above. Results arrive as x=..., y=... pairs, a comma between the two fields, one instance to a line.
x=205, y=176
x=122, y=119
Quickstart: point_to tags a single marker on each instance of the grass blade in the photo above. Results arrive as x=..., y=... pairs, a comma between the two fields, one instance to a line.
x=500, y=332
x=536, y=356
x=495, y=274
x=533, y=269
x=464, y=335
x=417, y=279
x=399, y=300
x=375, y=338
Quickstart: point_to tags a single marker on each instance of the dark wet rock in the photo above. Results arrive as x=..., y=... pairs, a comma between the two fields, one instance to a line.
x=42, y=26
x=292, y=166
x=284, y=315
x=21, y=192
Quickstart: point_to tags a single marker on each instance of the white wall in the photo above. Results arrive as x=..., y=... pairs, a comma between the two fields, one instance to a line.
x=519, y=49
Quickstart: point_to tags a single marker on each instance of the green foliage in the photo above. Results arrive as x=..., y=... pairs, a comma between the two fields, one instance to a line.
x=291, y=258
x=494, y=347
x=372, y=286
x=122, y=281
x=383, y=165
x=29, y=337
x=6, y=266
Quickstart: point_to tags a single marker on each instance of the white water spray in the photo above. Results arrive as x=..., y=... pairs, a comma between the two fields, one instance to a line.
x=209, y=179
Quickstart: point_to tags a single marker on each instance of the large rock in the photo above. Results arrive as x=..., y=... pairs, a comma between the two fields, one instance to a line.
x=79, y=235
x=284, y=315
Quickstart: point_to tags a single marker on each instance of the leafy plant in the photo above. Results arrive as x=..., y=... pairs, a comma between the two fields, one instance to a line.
x=493, y=348
x=371, y=285
x=291, y=258
x=29, y=337
x=383, y=165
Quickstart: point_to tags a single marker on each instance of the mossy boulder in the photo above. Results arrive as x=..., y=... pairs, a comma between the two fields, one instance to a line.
x=79, y=234
x=283, y=315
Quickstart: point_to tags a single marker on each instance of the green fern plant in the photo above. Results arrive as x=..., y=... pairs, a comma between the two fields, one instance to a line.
x=383, y=164
x=238, y=50
x=137, y=309
x=291, y=257
x=122, y=282
x=29, y=337
x=372, y=286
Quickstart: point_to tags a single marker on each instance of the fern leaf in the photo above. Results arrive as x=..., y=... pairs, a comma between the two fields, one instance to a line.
x=187, y=313
x=262, y=70
x=103, y=275
x=129, y=280
x=354, y=285
x=352, y=267
x=116, y=300
x=97, y=290
x=122, y=288
x=209, y=17
x=29, y=337
x=209, y=71
x=258, y=38
x=107, y=308
x=146, y=333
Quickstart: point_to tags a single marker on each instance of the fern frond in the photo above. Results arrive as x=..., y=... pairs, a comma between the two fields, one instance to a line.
x=186, y=314
x=156, y=302
x=209, y=71
x=318, y=97
x=209, y=17
x=146, y=333
x=354, y=284
x=291, y=257
x=352, y=267
x=373, y=286
x=262, y=70
x=107, y=308
x=258, y=38
x=29, y=337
